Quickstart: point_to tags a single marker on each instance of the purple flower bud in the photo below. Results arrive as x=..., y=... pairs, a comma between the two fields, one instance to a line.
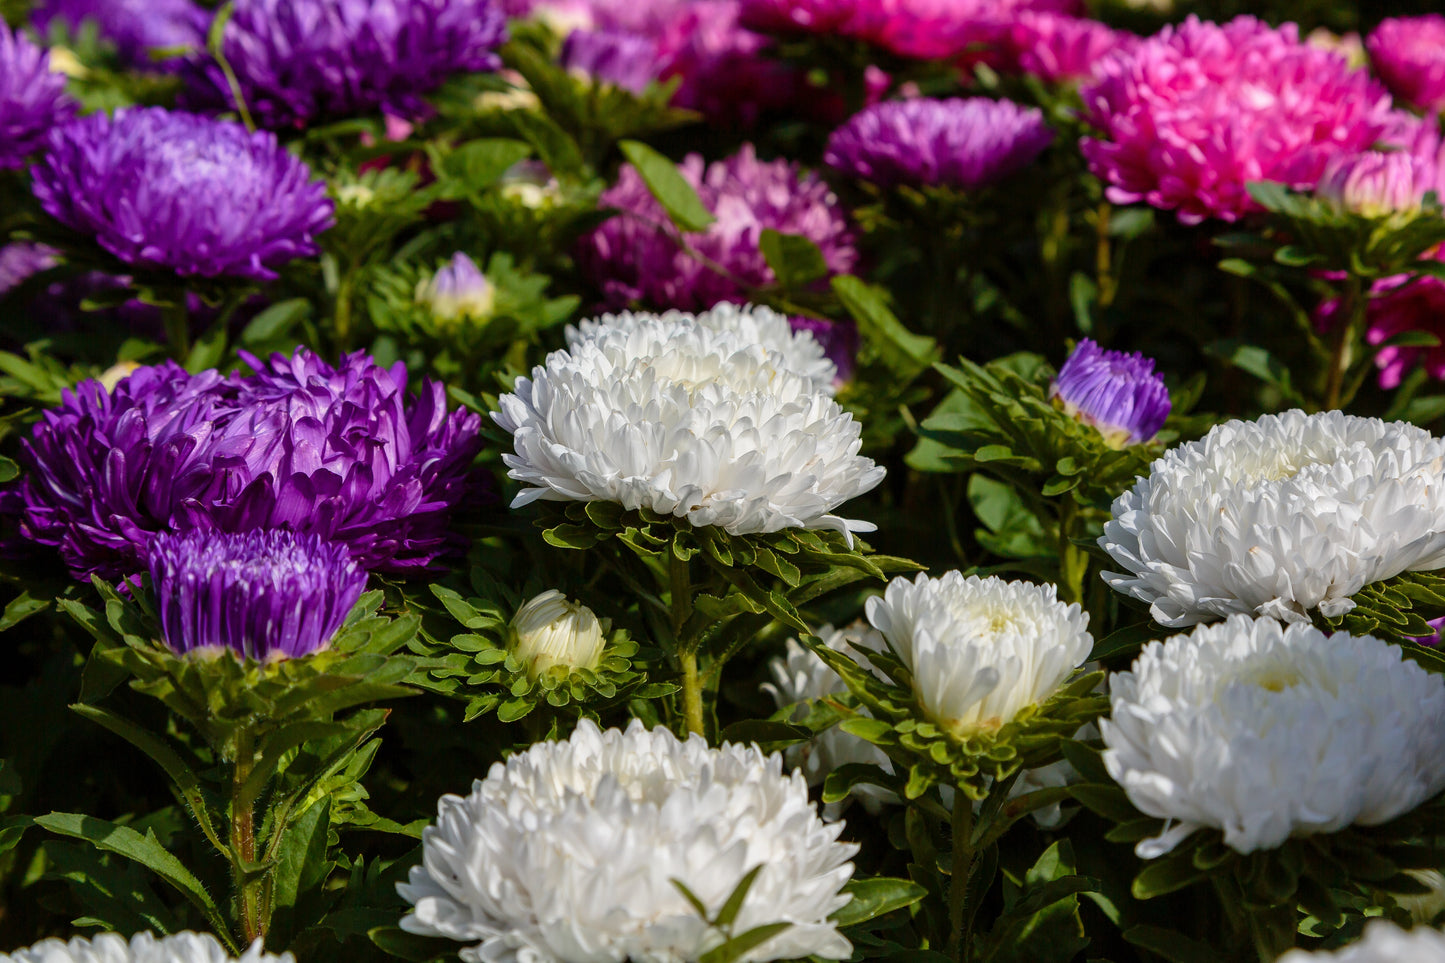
x=967, y=144
x=1434, y=639
x=627, y=60
x=262, y=595
x=136, y=27
x=1376, y=183
x=1116, y=392
x=838, y=338
x=32, y=98
x=458, y=290
x=171, y=190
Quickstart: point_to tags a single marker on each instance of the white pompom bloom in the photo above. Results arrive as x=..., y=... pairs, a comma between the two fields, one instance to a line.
x=565, y=854
x=140, y=948
x=752, y=323
x=672, y=416
x=1382, y=942
x=1265, y=731
x=799, y=676
x=980, y=649
x=1279, y=517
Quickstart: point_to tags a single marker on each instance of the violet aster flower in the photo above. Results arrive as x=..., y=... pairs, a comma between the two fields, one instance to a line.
x=20, y=260
x=297, y=60
x=1196, y=112
x=1409, y=55
x=341, y=452
x=627, y=60
x=170, y=190
x=637, y=256
x=262, y=595
x=967, y=144
x=32, y=98
x=1116, y=392
x=135, y=27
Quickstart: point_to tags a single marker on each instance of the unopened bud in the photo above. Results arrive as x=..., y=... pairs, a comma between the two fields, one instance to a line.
x=458, y=290
x=549, y=631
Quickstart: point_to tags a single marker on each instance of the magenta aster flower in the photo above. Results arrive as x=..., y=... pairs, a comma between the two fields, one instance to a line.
x=262, y=595
x=1377, y=183
x=1200, y=110
x=806, y=16
x=638, y=256
x=967, y=144
x=32, y=98
x=1058, y=49
x=297, y=60
x=135, y=27
x=170, y=190
x=343, y=453
x=1409, y=55
x=1116, y=392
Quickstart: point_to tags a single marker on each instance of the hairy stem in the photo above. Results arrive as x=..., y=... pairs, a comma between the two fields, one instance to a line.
x=243, y=843
x=960, y=939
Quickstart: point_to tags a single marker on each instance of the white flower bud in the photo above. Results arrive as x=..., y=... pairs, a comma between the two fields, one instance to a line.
x=549, y=630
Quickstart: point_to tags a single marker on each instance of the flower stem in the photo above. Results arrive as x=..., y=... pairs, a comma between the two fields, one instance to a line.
x=1073, y=561
x=692, y=693
x=960, y=939
x=177, y=322
x=680, y=607
x=243, y=842
x=1350, y=318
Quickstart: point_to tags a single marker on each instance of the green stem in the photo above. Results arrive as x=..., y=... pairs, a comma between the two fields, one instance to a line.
x=680, y=606
x=960, y=939
x=692, y=693
x=342, y=323
x=243, y=843
x=177, y=322
x=1351, y=317
x=1104, y=256
x=1073, y=560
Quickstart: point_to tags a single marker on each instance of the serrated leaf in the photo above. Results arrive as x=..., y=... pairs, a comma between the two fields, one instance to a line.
x=677, y=197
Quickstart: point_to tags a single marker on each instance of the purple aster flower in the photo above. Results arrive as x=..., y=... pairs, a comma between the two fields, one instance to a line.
x=170, y=190
x=627, y=60
x=297, y=60
x=20, y=260
x=1116, y=392
x=1434, y=639
x=838, y=338
x=135, y=27
x=1409, y=55
x=262, y=595
x=458, y=290
x=638, y=256
x=32, y=98
x=1196, y=112
x=967, y=144
x=341, y=452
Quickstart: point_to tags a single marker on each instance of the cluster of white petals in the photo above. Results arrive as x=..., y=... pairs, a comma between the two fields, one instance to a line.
x=1265, y=731
x=140, y=948
x=566, y=854
x=1382, y=942
x=686, y=420
x=980, y=649
x=799, y=676
x=753, y=323
x=548, y=631
x=1280, y=516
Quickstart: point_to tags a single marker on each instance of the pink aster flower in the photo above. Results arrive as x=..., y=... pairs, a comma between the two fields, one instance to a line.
x=1409, y=55
x=1399, y=304
x=1377, y=183
x=638, y=256
x=1060, y=49
x=1199, y=110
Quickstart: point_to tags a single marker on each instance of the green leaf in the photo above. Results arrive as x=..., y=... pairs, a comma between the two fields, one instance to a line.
x=902, y=351
x=764, y=732
x=478, y=164
x=794, y=258
x=1173, y=946
x=9, y=471
x=409, y=946
x=871, y=898
x=1255, y=360
x=208, y=351
x=554, y=145
x=146, y=850
x=733, y=905
x=672, y=190
x=275, y=321
x=301, y=864
x=21, y=608
x=742, y=944
x=1166, y=875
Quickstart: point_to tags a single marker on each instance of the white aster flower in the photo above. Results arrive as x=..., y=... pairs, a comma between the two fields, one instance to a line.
x=1382, y=942
x=980, y=649
x=685, y=420
x=800, y=676
x=1279, y=516
x=548, y=630
x=1265, y=731
x=753, y=323
x=565, y=854
x=140, y=948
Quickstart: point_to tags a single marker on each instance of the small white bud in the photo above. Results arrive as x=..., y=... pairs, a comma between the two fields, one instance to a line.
x=549, y=630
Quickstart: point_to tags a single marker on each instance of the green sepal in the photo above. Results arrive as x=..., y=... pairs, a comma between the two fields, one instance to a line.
x=1402, y=608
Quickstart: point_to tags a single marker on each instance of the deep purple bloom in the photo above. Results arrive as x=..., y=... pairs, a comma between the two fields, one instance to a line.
x=170, y=190
x=263, y=595
x=340, y=452
x=637, y=255
x=20, y=260
x=627, y=60
x=297, y=60
x=967, y=144
x=1116, y=392
x=838, y=338
x=32, y=98
x=135, y=27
